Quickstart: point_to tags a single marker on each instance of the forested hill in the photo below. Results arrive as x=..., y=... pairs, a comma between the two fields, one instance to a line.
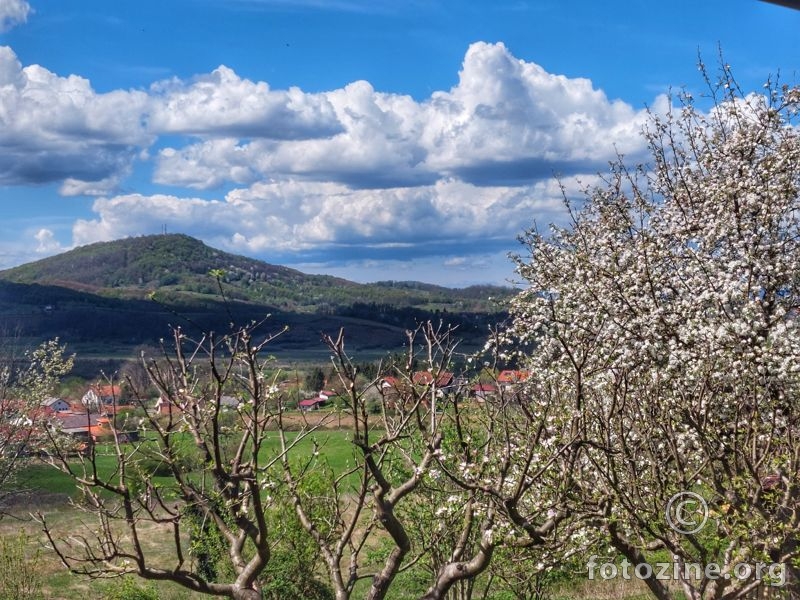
x=106, y=290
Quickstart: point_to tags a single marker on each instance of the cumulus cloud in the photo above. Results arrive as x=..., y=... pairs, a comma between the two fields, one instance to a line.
x=13, y=13
x=57, y=128
x=72, y=186
x=507, y=121
x=352, y=174
x=135, y=214
x=507, y=117
x=46, y=242
x=223, y=104
x=376, y=145
x=310, y=219
x=208, y=165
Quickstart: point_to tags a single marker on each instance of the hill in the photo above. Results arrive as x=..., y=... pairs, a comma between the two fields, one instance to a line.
x=103, y=294
x=175, y=263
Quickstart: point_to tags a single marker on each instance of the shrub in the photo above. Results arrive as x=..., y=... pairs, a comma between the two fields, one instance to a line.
x=20, y=573
x=126, y=588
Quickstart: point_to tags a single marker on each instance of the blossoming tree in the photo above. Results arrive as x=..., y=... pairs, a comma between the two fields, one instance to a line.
x=25, y=382
x=665, y=318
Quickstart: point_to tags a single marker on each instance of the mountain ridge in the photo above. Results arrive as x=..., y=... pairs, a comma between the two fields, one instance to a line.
x=153, y=262
x=103, y=293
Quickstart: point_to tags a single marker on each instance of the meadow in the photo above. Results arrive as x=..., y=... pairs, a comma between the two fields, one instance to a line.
x=53, y=494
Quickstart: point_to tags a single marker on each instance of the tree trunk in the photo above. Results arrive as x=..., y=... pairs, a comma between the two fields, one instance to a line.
x=246, y=594
x=454, y=572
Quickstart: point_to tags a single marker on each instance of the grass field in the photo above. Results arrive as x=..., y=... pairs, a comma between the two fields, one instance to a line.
x=50, y=490
x=45, y=481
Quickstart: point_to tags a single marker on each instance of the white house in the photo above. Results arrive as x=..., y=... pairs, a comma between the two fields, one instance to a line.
x=55, y=404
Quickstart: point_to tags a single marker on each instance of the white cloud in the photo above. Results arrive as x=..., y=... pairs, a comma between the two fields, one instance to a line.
x=77, y=187
x=207, y=165
x=507, y=121
x=13, y=13
x=56, y=128
x=223, y=104
x=375, y=145
x=135, y=214
x=507, y=116
x=47, y=243
x=307, y=217
x=351, y=174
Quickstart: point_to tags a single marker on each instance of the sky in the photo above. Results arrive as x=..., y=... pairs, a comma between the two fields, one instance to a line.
x=368, y=139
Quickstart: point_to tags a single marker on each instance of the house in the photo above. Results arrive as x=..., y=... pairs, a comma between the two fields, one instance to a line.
x=443, y=379
x=229, y=402
x=89, y=427
x=394, y=390
x=398, y=390
x=389, y=383
x=101, y=395
x=481, y=391
x=394, y=386
x=312, y=403
x=54, y=405
x=76, y=425
x=509, y=377
x=164, y=406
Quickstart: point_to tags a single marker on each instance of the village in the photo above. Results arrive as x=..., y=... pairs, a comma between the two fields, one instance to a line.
x=107, y=411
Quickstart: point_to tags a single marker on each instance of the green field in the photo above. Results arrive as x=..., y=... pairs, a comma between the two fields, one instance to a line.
x=333, y=447
x=50, y=490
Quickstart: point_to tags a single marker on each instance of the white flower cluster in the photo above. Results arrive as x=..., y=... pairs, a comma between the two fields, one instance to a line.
x=664, y=321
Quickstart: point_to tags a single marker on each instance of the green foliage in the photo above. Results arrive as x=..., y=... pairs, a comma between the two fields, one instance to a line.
x=155, y=468
x=126, y=588
x=71, y=386
x=103, y=291
x=20, y=569
x=207, y=546
x=98, y=298
x=289, y=577
x=519, y=574
x=374, y=406
x=315, y=379
x=294, y=568
x=180, y=261
x=152, y=464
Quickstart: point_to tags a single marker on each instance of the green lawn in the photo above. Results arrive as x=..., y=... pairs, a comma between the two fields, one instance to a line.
x=333, y=447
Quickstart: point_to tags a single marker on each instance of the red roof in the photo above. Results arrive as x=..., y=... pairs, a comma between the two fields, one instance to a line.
x=426, y=378
x=309, y=402
x=484, y=387
x=509, y=376
x=77, y=421
x=107, y=391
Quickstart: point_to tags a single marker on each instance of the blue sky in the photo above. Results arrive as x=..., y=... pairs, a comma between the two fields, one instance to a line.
x=372, y=139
